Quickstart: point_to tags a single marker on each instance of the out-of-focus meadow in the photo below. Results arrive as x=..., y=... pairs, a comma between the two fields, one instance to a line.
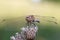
x=13, y=13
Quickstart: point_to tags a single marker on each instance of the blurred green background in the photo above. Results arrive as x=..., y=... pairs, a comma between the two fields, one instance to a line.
x=13, y=13
x=48, y=30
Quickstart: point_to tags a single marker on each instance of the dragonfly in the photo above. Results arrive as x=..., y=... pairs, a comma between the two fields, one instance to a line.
x=37, y=18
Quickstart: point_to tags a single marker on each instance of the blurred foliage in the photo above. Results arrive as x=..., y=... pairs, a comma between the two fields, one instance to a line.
x=53, y=0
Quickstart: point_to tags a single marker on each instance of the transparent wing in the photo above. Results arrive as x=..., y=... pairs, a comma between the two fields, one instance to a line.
x=47, y=18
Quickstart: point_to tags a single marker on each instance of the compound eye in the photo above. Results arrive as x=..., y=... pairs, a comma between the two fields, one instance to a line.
x=27, y=17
